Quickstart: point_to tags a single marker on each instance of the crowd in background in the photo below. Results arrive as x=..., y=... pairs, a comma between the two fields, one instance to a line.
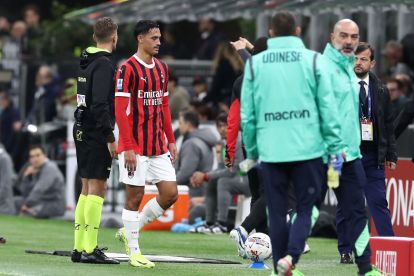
x=50, y=97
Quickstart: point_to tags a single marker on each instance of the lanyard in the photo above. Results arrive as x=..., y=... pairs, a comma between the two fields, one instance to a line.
x=369, y=105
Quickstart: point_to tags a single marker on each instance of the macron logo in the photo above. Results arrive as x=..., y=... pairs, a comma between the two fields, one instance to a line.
x=287, y=115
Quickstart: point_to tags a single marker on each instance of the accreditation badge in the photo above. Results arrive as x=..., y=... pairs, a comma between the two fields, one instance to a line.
x=367, y=130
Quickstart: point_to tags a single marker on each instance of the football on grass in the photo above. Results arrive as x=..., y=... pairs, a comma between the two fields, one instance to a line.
x=258, y=247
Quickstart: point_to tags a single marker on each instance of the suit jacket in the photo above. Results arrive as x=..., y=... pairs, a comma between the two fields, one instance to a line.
x=383, y=121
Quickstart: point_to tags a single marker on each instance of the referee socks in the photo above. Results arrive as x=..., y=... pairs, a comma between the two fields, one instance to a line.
x=93, y=210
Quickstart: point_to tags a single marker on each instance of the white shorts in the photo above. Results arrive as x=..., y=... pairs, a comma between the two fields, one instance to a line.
x=152, y=169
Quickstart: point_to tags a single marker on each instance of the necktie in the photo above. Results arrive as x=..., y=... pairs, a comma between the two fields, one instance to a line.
x=363, y=97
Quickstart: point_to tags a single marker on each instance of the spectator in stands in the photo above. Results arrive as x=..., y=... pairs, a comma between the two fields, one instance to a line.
x=398, y=100
x=406, y=83
x=31, y=15
x=6, y=183
x=196, y=154
x=204, y=111
x=4, y=29
x=10, y=123
x=408, y=50
x=48, y=88
x=14, y=49
x=200, y=89
x=209, y=40
x=223, y=183
x=42, y=187
x=393, y=53
x=178, y=99
x=171, y=48
x=227, y=67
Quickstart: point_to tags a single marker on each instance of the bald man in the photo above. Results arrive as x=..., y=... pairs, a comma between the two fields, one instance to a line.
x=350, y=193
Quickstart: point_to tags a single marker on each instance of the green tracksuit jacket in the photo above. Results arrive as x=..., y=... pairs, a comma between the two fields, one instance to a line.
x=288, y=110
x=346, y=91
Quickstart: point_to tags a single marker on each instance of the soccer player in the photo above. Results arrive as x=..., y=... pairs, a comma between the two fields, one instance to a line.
x=144, y=119
x=94, y=139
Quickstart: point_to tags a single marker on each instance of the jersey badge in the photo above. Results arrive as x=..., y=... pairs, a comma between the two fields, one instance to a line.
x=119, y=84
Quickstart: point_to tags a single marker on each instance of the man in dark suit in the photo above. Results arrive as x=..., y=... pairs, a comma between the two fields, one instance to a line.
x=378, y=141
x=378, y=147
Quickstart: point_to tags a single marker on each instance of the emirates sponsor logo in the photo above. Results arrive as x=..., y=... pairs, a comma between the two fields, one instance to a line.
x=151, y=97
x=386, y=262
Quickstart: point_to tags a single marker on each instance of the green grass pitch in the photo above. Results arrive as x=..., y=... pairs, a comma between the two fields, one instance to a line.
x=26, y=233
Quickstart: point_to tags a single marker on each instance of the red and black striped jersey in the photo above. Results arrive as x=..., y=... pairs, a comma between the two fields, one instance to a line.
x=141, y=107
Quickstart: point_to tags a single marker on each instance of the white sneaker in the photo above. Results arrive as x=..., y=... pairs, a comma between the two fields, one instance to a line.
x=239, y=236
x=306, y=249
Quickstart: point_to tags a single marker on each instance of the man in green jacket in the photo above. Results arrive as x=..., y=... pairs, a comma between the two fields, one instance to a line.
x=289, y=122
x=350, y=193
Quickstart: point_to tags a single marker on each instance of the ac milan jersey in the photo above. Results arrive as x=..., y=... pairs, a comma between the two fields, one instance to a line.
x=141, y=107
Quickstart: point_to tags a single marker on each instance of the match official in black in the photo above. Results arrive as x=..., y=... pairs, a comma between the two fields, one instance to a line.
x=378, y=147
x=94, y=138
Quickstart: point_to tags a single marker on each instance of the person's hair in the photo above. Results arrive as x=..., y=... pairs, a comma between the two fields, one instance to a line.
x=226, y=51
x=191, y=117
x=394, y=44
x=221, y=118
x=397, y=81
x=204, y=111
x=37, y=146
x=365, y=46
x=144, y=26
x=283, y=24
x=31, y=7
x=104, y=28
x=406, y=81
x=260, y=45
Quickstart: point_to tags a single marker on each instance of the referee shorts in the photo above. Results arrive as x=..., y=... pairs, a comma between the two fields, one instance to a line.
x=92, y=154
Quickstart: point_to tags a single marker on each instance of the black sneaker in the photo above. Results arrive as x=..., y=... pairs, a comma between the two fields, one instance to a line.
x=97, y=257
x=76, y=256
x=203, y=228
x=218, y=228
x=346, y=258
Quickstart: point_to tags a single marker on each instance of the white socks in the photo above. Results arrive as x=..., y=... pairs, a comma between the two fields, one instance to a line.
x=131, y=224
x=151, y=211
